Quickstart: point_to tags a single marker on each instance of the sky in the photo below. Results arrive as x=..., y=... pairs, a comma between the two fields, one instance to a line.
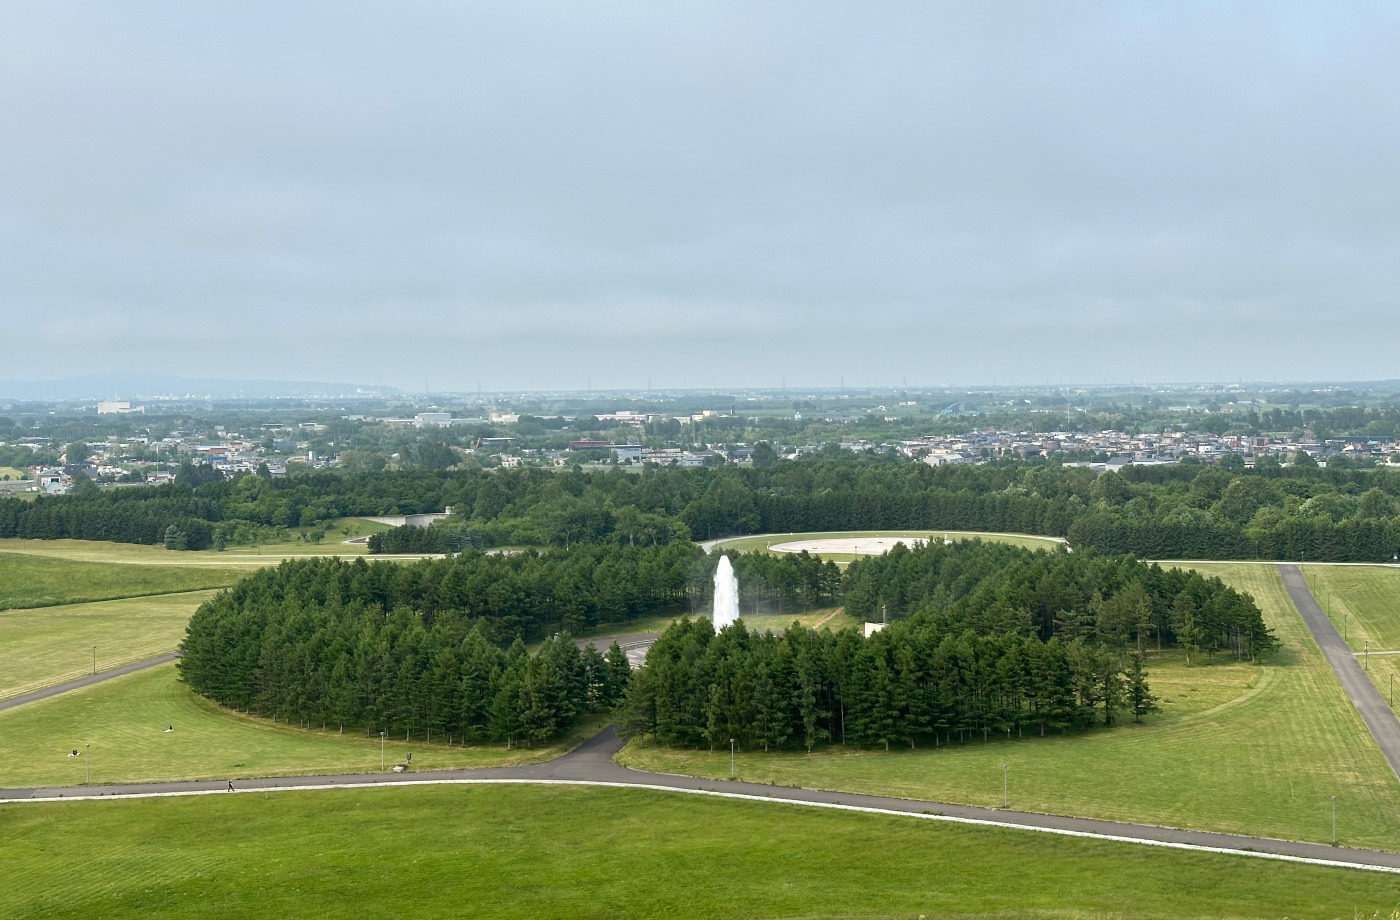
x=559, y=195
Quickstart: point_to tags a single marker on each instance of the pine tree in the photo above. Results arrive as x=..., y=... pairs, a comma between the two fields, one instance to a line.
x=1140, y=698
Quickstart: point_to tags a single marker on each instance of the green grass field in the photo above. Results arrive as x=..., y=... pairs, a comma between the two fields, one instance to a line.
x=11, y=473
x=39, y=581
x=763, y=541
x=1363, y=601
x=124, y=721
x=141, y=554
x=44, y=646
x=1256, y=749
x=1364, y=604
x=535, y=852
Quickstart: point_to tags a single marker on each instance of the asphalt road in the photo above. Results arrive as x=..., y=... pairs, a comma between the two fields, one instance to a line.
x=1379, y=718
x=97, y=678
x=593, y=763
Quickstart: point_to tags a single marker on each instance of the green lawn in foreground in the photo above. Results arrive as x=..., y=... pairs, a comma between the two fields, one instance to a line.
x=124, y=721
x=38, y=581
x=1252, y=749
x=531, y=852
x=763, y=541
x=44, y=646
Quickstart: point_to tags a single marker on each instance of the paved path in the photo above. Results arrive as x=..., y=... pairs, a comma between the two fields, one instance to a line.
x=592, y=764
x=97, y=678
x=1379, y=718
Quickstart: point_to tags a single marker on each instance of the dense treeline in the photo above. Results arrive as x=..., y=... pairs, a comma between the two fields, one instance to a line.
x=418, y=648
x=984, y=637
x=996, y=588
x=914, y=682
x=1184, y=511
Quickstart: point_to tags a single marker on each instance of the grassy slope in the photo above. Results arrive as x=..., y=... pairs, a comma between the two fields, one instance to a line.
x=48, y=645
x=124, y=721
x=38, y=581
x=1364, y=602
x=532, y=852
x=1239, y=747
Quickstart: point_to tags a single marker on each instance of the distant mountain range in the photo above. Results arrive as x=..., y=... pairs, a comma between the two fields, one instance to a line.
x=135, y=387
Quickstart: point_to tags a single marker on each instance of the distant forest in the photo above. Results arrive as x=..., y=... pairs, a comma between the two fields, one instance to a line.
x=1189, y=511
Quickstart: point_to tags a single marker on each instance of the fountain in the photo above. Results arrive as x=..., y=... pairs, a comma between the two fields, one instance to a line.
x=726, y=595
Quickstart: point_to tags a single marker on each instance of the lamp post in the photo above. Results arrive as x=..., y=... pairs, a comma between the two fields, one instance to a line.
x=1334, y=820
x=381, y=752
x=731, y=758
x=94, y=659
x=1005, y=802
x=87, y=764
x=1366, y=655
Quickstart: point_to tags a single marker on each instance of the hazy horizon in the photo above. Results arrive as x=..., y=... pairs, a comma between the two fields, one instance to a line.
x=545, y=196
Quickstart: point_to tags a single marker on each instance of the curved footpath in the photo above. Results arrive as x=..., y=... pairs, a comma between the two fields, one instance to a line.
x=592, y=764
x=90, y=679
x=1379, y=718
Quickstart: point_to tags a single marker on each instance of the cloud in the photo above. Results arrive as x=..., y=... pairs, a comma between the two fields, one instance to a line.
x=690, y=192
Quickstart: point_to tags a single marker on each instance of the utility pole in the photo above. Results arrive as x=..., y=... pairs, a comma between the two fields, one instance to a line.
x=87, y=764
x=381, y=752
x=731, y=758
x=1005, y=801
x=94, y=659
x=1334, y=820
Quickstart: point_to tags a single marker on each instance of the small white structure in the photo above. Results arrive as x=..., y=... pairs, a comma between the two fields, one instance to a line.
x=872, y=628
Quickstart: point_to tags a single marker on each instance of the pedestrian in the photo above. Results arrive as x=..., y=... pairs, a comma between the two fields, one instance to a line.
x=230, y=785
x=410, y=757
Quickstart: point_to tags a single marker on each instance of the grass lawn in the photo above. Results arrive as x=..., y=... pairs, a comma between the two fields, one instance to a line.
x=124, y=721
x=1362, y=600
x=763, y=541
x=1364, y=604
x=1256, y=749
x=11, y=474
x=44, y=646
x=129, y=553
x=39, y=581
x=538, y=852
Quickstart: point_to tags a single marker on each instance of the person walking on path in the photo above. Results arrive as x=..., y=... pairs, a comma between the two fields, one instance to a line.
x=230, y=785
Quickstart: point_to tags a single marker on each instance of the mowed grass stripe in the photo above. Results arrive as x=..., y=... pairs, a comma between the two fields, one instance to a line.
x=124, y=720
x=38, y=581
x=529, y=852
x=1362, y=601
x=1239, y=747
x=44, y=646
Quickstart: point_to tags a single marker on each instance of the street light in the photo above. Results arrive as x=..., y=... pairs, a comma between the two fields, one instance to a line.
x=1005, y=802
x=731, y=758
x=1334, y=820
x=381, y=752
x=87, y=764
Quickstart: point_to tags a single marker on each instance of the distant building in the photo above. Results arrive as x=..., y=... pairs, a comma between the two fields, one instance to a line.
x=117, y=407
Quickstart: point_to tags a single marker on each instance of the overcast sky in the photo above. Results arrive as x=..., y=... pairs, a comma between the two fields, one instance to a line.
x=555, y=194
